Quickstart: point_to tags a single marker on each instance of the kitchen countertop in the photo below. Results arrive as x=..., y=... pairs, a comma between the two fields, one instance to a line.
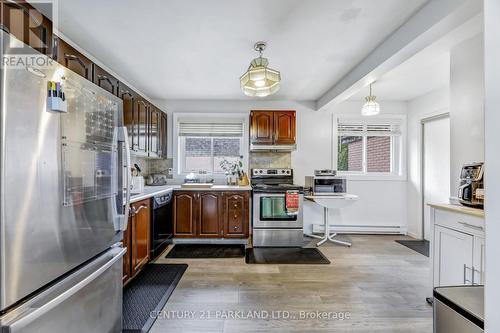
x=151, y=191
x=460, y=209
x=215, y=188
x=466, y=299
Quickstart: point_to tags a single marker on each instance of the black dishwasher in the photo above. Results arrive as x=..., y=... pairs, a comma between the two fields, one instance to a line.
x=161, y=224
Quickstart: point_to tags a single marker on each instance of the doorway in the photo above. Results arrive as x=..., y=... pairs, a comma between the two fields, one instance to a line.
x=435, y=166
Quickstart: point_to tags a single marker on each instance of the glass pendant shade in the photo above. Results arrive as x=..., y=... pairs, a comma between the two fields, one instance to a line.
x=259, y=80
x=371, y=107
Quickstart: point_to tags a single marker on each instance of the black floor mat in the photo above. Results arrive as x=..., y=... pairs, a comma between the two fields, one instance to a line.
x=285, y=255
x=147, y=292
x=207, y=251
x=420, y=246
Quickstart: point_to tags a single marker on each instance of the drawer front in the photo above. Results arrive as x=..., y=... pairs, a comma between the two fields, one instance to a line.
x=235, y=203
x=235, y=222
x=472, y=225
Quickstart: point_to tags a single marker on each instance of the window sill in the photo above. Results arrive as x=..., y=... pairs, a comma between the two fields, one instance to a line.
x=372, y=177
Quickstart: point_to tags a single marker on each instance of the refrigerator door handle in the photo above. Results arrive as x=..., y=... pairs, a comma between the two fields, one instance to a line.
x=36, y=312
x=123, y=219
x=129, y=174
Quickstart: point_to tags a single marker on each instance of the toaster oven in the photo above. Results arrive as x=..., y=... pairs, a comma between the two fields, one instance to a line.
x=325, y=185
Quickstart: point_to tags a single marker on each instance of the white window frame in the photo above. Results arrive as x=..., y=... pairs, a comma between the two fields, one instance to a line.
x=400, y=174
x=208, y=117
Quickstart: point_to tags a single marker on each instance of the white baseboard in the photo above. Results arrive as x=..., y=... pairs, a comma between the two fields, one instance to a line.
x=361, y=229
x=412, y=234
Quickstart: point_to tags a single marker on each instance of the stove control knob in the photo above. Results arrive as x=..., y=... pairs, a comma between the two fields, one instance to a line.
x=260, y=171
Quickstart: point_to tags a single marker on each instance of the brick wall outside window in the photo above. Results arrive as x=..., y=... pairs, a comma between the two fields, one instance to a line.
x=378, y=154
x=355, y=156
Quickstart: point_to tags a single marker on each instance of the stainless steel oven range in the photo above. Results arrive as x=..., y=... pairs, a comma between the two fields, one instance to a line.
x=275, y=224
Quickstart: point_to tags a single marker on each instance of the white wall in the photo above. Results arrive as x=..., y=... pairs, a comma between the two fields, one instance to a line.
x=492, y=139
x=431, y=104
x=381, y=203
x=466, y=106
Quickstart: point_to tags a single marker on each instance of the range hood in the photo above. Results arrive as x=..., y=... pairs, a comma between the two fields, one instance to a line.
x=272, y=148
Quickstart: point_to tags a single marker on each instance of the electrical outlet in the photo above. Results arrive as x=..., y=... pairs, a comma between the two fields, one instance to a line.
x=169, y=171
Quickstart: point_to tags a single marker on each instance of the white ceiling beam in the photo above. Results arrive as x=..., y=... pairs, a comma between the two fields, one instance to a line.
x=430, y=23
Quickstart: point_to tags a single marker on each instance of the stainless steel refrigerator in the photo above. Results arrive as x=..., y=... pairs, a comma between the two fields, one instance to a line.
x=62, y=209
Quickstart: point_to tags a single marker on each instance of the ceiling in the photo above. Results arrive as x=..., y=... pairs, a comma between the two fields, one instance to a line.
x=197, y=49
x=415, y=77
x=426, y=71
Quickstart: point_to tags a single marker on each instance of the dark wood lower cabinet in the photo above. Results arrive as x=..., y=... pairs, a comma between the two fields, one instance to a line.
x=184, y=214
x=137, y=239
x=209, y=217
x=211, y=214
x=236, y=214
x=140, y=234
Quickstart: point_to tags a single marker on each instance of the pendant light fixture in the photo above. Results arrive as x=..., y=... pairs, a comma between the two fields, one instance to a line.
x=259, y=80
x=371, y=107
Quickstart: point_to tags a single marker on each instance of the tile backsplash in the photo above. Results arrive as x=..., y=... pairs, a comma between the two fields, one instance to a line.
x=160, y=166
x=265, y=160
x=256, y=160
x=149, y=166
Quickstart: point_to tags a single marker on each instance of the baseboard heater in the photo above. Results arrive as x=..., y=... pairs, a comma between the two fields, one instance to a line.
x=362, y=229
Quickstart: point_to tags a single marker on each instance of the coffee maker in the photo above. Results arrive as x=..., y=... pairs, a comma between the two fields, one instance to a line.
x=471, y=188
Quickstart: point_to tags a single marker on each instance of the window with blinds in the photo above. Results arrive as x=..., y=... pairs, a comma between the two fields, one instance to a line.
x=203, y=145
x=210, y=129
x=368, y=146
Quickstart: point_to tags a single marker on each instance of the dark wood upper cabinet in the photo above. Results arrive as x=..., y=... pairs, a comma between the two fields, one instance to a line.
x=262, y=127
x=140, y=143
x=163, y=134
x=105, y=80
x=70, y=58
x=236, y=214
x=140, y=238
x=184, y=214
x=284, y=127
x=128, y=97
x=154, y=131
x=27, y=24
x=272, y=127
x=209, y=214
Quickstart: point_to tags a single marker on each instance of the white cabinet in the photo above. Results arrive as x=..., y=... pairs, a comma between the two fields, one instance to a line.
x=457, y=246
x=453, y=257
x=478, y=260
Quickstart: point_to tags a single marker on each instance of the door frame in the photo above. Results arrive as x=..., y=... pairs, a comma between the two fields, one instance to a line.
x=424, y=121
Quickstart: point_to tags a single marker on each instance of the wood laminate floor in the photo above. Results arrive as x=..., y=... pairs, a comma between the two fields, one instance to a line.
x=379, y=284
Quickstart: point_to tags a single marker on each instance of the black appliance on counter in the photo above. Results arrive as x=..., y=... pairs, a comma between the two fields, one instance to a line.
x=471, y=187
x=161, y=223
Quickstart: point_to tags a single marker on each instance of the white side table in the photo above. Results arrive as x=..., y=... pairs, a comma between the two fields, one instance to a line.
x=331, y=202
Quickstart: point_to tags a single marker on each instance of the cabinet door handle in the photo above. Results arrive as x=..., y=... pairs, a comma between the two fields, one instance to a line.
x=138, y=209
x=465, y=224
x=465, y=275
x=474, y=270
